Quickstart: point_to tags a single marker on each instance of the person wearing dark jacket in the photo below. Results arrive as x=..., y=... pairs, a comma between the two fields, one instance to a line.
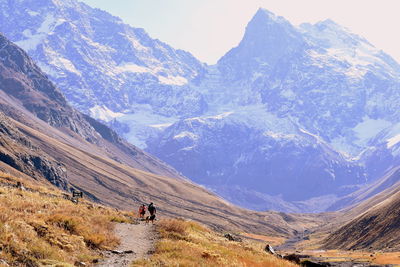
x=152, y=210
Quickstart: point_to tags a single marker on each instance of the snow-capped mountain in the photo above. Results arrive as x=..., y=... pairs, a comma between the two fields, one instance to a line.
x=331, y=81
x=235, y=150
x=287, y=119
x=316, y=96
x=102, y=65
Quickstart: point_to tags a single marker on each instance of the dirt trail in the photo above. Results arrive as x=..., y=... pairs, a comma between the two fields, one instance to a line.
x=136, y=239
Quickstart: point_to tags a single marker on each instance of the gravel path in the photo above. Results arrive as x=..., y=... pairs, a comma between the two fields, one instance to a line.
x=137, y=242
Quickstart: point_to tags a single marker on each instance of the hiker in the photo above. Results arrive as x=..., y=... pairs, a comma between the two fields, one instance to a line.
x=142, y=211
x=152, y=211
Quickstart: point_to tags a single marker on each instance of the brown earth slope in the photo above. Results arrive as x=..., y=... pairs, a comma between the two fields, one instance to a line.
x=375, y=222
x=26, y=95
x=45, y=138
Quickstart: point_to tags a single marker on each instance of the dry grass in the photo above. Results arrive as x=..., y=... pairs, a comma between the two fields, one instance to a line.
x=186, y=243
x=272, y=240
x=41, y=227
x=357, y=255
x=387, y=258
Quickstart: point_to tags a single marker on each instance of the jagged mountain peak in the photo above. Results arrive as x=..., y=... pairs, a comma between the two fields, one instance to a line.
x=333, y=34
x=328, y=23
x=266, y=27
x=265, y=15
x=267, y=39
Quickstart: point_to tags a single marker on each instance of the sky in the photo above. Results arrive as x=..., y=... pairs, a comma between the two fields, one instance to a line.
x=209, y=28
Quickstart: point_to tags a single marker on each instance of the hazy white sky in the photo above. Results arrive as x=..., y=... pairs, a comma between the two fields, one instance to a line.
x=209, y=28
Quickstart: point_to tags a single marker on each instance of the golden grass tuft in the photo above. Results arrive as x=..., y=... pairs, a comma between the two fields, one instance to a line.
x=41, y=227
x=184, y=243
x=379, y=258
x=272, y=240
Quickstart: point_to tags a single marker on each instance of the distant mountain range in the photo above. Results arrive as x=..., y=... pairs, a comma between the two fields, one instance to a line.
x=293, y=118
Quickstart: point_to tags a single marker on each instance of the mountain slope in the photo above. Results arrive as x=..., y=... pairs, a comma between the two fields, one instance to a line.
x=376, y=228
x=41, y=227
x=386, y=183
x=100, y=63
x=239, y=154
x=104, y=170
x=26, y=91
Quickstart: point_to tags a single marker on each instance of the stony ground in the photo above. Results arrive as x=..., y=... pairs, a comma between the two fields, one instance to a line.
x=137, y=242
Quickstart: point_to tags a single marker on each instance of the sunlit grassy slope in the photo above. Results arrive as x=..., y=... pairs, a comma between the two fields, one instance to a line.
x=186, y=243
x=39, y=226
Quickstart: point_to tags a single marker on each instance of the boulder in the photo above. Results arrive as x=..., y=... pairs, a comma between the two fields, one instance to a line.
x=293, y=258
x=269, y=249
x=232, y=237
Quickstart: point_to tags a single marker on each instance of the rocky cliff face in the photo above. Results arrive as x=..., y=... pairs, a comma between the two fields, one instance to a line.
x=22, y=80
x=17, y=151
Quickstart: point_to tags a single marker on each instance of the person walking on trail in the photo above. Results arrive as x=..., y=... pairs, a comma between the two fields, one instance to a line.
x=152, y=211
x=142, y=211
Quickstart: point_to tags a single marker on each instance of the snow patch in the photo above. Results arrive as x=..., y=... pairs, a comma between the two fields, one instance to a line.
x=316, y=137
x=58, y=61
x=161, y=126
x=67, y=65
x=33, y=40
x=276, y=135
x=47, y=69
x=104, y=113
x=144, y=123
x=186, y=134
x=289, y=94
x=136, y=44
x=368, y=129
x=130, y=67
x=33, y=13
x=393, y=141
x=172, y=80
x=98, y=46
x=346, y=148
